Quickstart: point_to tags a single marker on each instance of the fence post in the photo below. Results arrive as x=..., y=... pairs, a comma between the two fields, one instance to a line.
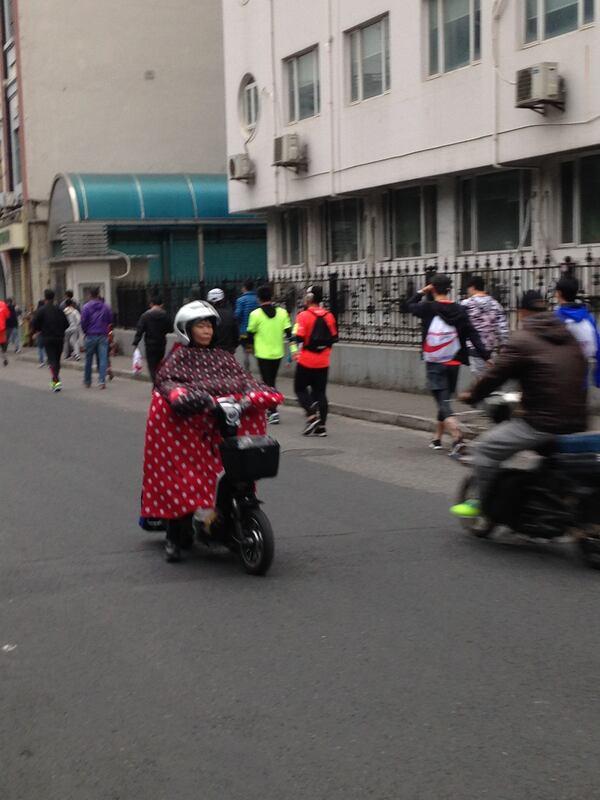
x=333, y=294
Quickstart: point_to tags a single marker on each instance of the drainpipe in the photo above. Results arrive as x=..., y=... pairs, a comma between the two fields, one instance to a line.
x=275, y=96
x=498, y=10
x=332, y=153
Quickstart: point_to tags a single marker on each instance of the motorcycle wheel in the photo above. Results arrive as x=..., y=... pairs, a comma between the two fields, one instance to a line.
x=476, y=526
x=589, y=546
x=257, y=547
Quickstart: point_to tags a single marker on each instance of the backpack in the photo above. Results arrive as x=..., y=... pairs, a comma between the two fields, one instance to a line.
x=585, y=333
x=442, y=342
x=320, y=337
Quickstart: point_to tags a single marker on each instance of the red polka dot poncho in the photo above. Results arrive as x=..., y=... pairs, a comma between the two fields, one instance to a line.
x=182, y=462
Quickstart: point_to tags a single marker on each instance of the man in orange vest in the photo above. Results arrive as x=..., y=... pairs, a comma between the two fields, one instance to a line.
x=316, y=332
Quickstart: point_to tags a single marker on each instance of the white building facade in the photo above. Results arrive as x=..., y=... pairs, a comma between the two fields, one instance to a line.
x=405, y=111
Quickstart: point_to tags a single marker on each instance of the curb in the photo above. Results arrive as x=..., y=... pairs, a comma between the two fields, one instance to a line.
x=410, y=421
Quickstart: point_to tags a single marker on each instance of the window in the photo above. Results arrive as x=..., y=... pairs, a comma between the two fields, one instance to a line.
x=249, y=104
x=547, y=18
x=580, y=212
x=454, y=34
x=495, y=211
x=369, y=48
x=293, y=229
x=14, y=143
x=343, y=222
x=412, y=225
x=303, y=85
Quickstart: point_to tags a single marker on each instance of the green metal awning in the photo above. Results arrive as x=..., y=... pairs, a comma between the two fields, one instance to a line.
x=85, y=197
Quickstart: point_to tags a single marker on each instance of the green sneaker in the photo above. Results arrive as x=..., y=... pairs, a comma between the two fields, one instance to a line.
x=467, y=510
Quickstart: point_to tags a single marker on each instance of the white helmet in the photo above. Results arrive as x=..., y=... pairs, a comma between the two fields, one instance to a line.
x=215, y=296
x=192, y=312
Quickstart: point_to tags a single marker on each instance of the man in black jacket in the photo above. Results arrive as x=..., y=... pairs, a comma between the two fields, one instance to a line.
x=444, y=350
x=548, y=362
x=227, y=335
x=153, y=326
x=51, y=323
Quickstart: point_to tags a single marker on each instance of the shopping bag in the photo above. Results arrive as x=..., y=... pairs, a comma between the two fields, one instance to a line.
x=138, y=363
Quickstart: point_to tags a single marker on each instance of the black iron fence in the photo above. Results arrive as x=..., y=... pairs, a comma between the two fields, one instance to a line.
x=133, y=298
x=369, y=303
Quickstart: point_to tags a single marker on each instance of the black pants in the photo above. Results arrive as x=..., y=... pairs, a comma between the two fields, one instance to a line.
x=154, y=357
x=54, y=348
x=180, y=532
x=310, y=386
x=269, y=367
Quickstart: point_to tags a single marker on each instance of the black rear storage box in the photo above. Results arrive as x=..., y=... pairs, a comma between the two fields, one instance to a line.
x=250, y=458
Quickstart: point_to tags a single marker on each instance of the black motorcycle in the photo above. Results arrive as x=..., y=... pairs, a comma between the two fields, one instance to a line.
x=239, y=523
x=555, y=496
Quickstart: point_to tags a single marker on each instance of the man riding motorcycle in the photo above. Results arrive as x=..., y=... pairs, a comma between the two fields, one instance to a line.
x=182, y=462
x=549, y=364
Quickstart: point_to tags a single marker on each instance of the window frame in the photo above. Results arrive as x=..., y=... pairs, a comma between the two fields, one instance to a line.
x=356, y=35
x=249, y=105
x=576, y=189
x=285, y=238
x=326, y=230
x=292, y=61
x=541, y=22
x=473, y=220
x=474, y=51
x=389, y=210
x=8, y=23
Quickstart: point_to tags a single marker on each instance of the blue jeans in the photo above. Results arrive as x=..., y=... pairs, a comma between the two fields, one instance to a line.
x=41, y=349
x=14, y=337
x=96, y=345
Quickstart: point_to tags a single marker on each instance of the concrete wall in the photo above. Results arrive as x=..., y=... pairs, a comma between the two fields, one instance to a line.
x=423, y=126
x=117, y=86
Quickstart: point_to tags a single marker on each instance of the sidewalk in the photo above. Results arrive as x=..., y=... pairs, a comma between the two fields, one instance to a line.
x=405, y=410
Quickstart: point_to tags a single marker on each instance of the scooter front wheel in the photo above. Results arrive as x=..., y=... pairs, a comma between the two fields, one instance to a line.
x=257, y=546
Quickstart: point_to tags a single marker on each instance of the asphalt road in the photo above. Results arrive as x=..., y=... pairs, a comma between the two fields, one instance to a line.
x=385, y=656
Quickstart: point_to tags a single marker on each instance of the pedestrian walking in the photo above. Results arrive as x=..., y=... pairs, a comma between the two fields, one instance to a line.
x=12, y=325
x=96, y=318
x=316, y=332
x=39, y=341
x=489, y=320
x=245, y=305
x=227, y=334
x=447, y=330
x=4, y=315
x=579, y=320
x=268, y=327
x=51, y=323
x=73, y=333
x=69, y=296
x=153, y=327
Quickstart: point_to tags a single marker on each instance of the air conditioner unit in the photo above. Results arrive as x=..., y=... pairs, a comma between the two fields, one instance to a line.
x=540, y=86
x=241, y=168
x=288, y=152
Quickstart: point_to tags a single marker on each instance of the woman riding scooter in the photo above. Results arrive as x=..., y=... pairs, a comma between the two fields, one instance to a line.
x=182, y=462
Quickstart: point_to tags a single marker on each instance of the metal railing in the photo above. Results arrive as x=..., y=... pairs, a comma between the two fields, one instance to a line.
x=370, y=303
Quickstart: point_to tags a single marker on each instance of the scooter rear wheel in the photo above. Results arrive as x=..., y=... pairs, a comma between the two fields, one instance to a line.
x=257, y=547
x=476, y=526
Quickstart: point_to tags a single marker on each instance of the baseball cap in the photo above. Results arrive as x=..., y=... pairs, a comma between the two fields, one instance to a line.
x=215, y=296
